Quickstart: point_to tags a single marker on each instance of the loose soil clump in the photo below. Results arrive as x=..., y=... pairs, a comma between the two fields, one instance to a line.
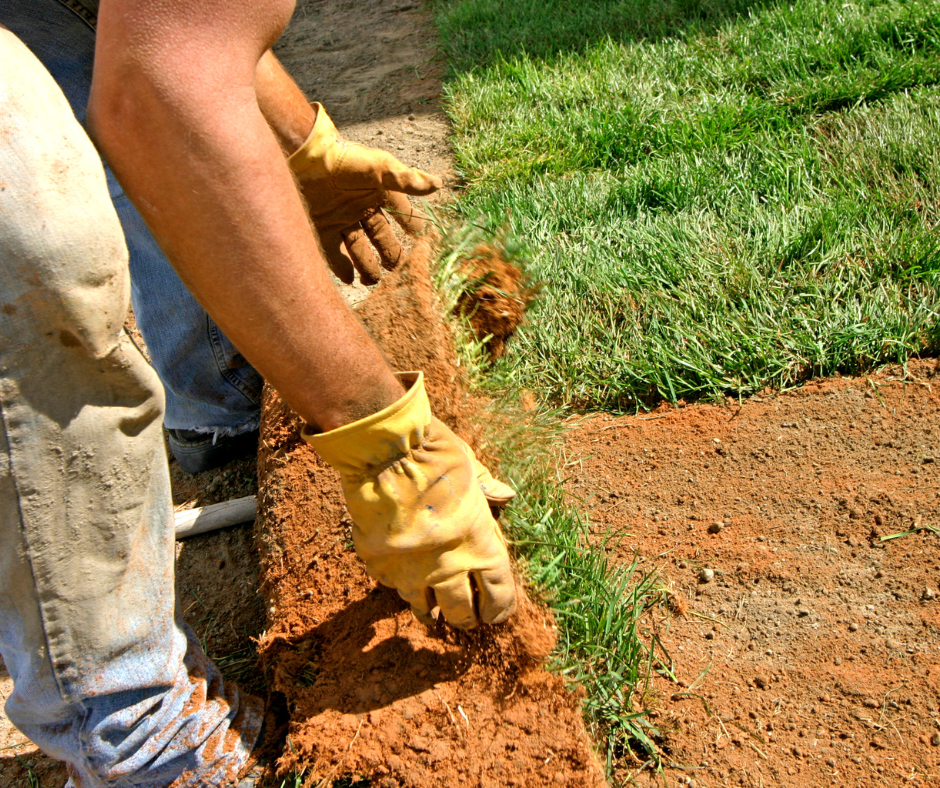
x=372, y=692
x=496, y=297
x=808, y=653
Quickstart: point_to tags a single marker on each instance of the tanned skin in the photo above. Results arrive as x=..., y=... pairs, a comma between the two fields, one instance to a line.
x=283, y=104
x=175, y=110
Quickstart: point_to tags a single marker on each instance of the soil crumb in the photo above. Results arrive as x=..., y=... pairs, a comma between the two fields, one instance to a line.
x=496, y=298
x=402, y=314
x=372, y=692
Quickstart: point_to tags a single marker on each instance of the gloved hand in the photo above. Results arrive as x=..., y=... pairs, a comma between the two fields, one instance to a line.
x=421, y=521
x=346, y=186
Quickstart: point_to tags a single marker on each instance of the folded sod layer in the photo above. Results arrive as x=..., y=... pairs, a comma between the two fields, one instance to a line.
x=371, y=692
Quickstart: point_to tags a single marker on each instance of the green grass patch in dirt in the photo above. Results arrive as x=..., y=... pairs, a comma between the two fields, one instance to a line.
x=739, y=196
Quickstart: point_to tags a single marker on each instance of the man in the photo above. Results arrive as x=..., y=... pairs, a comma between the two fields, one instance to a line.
x=106, y=677
x=212, y=393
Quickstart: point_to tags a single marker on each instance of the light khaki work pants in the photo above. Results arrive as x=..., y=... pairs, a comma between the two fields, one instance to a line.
x=105, y=676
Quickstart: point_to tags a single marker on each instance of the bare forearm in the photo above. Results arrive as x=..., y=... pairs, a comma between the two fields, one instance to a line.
x=193, y=151
x=283, y=104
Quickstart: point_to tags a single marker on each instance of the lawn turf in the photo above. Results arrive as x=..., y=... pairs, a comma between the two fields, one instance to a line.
x=717, y=197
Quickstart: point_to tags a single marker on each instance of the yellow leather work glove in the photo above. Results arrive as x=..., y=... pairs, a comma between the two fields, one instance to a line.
x=421, y=521
x=346, y=186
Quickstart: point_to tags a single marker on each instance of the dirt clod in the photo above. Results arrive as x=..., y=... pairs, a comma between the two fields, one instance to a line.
x=496, y=298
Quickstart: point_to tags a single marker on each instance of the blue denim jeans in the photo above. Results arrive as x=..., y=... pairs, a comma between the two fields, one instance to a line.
x=106, y=677
x=209, y=385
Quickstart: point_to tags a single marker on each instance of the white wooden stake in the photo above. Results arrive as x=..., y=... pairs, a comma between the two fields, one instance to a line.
x=219, y=515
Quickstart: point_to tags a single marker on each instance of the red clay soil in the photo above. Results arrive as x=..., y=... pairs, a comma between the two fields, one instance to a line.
x=496, y=297
x=371, y=692
x=809, y=654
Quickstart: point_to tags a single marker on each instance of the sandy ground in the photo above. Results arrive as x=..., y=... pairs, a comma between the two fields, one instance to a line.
x=809, y=654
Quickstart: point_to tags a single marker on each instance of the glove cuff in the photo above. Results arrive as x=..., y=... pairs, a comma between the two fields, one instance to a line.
x=311, y=160
x=379, y=439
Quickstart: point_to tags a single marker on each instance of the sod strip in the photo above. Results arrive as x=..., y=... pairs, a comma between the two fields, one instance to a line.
x=749, y=201
x=597, y=606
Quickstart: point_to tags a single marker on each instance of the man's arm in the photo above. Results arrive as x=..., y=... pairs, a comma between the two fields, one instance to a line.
x=174, y=110
x=349, y=189
x=283, y=104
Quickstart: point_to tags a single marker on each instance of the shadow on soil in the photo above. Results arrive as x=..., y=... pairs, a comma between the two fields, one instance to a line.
x=344, y=673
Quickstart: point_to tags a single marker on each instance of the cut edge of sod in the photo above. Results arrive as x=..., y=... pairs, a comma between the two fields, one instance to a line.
x=597, y=604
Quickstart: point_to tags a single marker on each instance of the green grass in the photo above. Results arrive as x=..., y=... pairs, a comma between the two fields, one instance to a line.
x=738, y=196
x=597, y=604
x=717, y=197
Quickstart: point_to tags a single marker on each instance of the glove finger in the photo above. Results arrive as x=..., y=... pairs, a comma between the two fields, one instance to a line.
x=360, y=251
x=455, y=598
x=334, y=250
x=365, y=168
x=408, y=217
x=497, y=594
x=380, y=232
x=409, y=180
x=497, y=493
x=420, y=602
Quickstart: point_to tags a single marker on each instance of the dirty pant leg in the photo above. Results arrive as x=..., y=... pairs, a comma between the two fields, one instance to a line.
x=105, y=677
x=209, y=385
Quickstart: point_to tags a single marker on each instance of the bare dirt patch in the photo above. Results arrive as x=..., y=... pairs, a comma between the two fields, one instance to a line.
x=810, y=651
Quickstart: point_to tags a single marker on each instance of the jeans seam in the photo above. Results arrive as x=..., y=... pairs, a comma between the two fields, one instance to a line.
x=215, y=339
x=81, y=12
x=25, y=536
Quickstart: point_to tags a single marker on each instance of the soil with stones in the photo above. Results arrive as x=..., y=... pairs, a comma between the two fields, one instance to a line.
x=809, y=649
x=371, y=691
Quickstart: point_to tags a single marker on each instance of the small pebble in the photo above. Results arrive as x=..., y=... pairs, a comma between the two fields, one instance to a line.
x=706, y=576
x=928, y=594
x=682, y=565
x=935, y=740
x=411, y=116
x=853, y=627
x=837, y=661
x=716, y=527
